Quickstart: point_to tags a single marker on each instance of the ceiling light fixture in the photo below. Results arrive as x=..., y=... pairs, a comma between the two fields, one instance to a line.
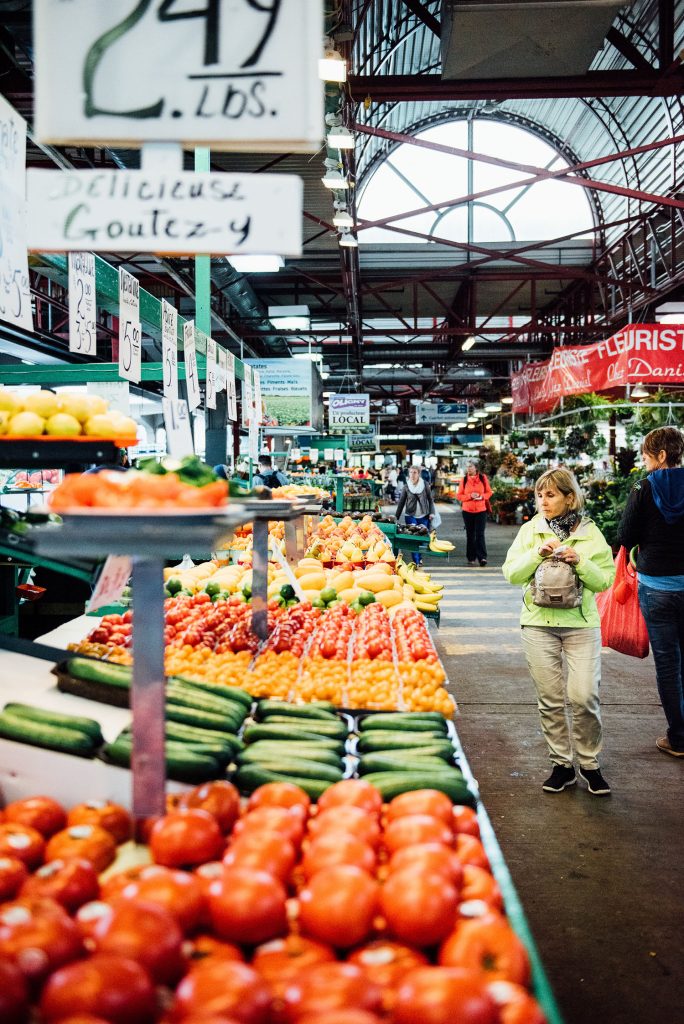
x=335, y=181
x=468, y=343
x=340, y=138
x=493, y=407
x=639, y=391
x=290, y=318
x=332, y=67
x=506, y=400
x=253, y=264
x=343, y=220
x=348, y=241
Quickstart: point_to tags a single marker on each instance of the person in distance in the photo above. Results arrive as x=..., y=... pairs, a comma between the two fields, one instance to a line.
x=474, y=493
x=417, y=499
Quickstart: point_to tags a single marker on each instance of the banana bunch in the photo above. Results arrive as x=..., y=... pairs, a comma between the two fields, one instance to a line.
x=439, y=546
x=418, y=587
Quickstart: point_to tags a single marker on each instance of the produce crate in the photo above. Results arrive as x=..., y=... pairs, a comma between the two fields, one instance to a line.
x=436, y=616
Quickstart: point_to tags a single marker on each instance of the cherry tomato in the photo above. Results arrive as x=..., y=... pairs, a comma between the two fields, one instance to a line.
x=178, y=892
x=143, y=932
x=83, y=841
x=386, y=962
x=326, y=987
x=338, y=905
x=112, y=987
x=186, y=838
x=221, y=799
x=347, y=818
x=223, y=987
x=279, y=794
x=39, y=812
x=411, y=829
x=70, y=882
x=422, y=801
x=13, y=874
x=487, y=945
x=38, y=937
x=13, y=994
x=419, y=909
x=331, y=848
x=357, y=792
x=280, y=960
x=247, y=906
x=23, y=843
x=443, y=995
x=113, y=818
x=263, y=851
x=287, y=820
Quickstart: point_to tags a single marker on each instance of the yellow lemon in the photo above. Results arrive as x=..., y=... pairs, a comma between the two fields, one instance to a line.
x=97, y=404
x=26, y=424
x=4, y=421
x=9, y=402
x=63, y=425
x=43, y=403
x=103, y=424
x=76, y=405
x=126, y=427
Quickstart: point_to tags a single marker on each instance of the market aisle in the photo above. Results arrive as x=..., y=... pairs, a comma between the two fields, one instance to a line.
x=600, y=879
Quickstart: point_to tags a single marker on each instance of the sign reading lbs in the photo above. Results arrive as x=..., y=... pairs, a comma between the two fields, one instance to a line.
x=236, y=74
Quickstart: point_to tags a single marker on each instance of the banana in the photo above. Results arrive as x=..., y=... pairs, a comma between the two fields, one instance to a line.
x=423, y=607
x=439, y=546
x=428, y=598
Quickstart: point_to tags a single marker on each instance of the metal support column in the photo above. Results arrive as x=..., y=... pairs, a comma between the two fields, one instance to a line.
x=147, y=697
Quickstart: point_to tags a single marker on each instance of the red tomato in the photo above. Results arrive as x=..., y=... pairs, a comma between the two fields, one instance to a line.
x=114, y=884
x=386, y=962
x=70, y=882
x=422, y=801
x=419, y=909
x=287, y=820
x=178, y=892
x=280, y=960
x=263, y=851
x=356, y=792
x=22, y=842
x=221, y=799
x=223, y=987
x=113, y=818
x=13, y=874
x=411, y=829
x=87, y=841
x=38, y=936
x=186, y=838
x=206, y=947
x=144, y=932
x=471, y=851
x=13, y=994
x=89, y=916
x=39, y=812
x=327, y=987
x=430, y=858
x=443, y=995
x=338, y=905
x=479, y=884
x=111, y=987
x=279, y=794
x=247, y=906
x=83, y=1018
x=339, y=1017
x=489, y=946
x=348, y=818
x=331, y=848
x=516, y=1005
x=465, y=820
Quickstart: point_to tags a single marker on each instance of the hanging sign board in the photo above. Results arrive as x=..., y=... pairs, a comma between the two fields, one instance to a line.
x=346, y=412
x=82, y=317
x=179, y=441
x=164, y=212
x=114, y=577
x=211, y=374
x=288, y=390
x=130, y=346
x=441, y=412
x=230, y=387
x=233, y=74
x=190, y=356
x=221, y=369
x=15, y=296
x=169, y=319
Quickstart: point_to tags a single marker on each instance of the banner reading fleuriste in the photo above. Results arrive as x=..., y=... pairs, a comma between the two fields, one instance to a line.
x=639, y=353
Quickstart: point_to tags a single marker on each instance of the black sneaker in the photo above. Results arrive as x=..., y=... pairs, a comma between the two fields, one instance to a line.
x=595, y=781
x=560, y=778
x=483, y=561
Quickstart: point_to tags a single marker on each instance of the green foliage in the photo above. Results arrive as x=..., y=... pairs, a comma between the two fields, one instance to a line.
x=606, y=500
x=582, y=440
x=490, y=459
x=599, y=406
x=511, y=466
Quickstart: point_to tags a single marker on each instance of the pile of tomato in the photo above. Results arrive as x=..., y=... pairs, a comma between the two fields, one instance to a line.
x=412, y=637
x=270, y=913
x=333, y=633
x=373, y=635
x=292, y=630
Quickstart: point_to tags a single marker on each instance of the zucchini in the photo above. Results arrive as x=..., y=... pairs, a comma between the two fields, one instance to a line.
x=267, y=750
x=301, y=768
x=381, y=739
x=336, y=729
x=32, y=714
x=251, y=776
x=451, y=782
x=100, y=672
x=51, y=737
x=403, y=720
x=201, y=719
x=280, y=707
x=277, y=731
x=382, y=761
x=181, y=764
x=233, y=693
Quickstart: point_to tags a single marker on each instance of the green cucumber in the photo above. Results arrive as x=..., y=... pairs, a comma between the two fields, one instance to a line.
x=336, y=729
x=32, y=714
x=302, y=769
x=181, y=764
x=100, y=672
x=192, y=716
x=391, y=784
x=403, y=720
x=51, y=737
x=382, y=762
x=233, y=693
x=190, y=733
x=266, y=750
x=279, y=707
x=192, y=695
x=251, y=776
x=444, y=751
x=200, y=703
x=266, y=731
x=381, y=739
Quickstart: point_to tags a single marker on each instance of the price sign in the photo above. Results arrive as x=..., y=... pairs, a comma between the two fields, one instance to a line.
x=247, y=400
x=222, y=368
x=256, y=396
x=233, y=74
x=82, y=320
x=230, y=387
x=15, y=295
x=169, y=317
x=115, y=575
x=253, y=442
x=211, y=374
x=190, y=355
x=130, y=345
x=179, y=441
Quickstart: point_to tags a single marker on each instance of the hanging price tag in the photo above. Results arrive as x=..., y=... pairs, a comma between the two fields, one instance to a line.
x=211, y=374
x=130, y=346
x=82, y=322
x=179, y=441
x=115, y=575
x=190, y=354
x=15, y=295
x=254, y=440
x=221, y=369
x=256, y=396
x=169, y=317
x=230, y=387
x=247, y=400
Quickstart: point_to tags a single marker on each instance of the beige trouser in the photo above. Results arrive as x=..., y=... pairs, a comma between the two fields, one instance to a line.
x=544, y=647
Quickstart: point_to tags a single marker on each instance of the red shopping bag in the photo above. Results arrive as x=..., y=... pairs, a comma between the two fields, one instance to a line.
x=622, y=625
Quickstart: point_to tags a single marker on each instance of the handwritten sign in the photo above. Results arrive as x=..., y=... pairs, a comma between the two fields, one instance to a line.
x=256, y=396
x=211, y=374
x=221, y=368
x=130, y=345
x=236, y=74
x=179, y=441
x=169, y=318
x=115, y=575
x=190, y=356
x=247, y=399
x=230, y=387
x=82, y=316
x=15, y=296
x=164, y=212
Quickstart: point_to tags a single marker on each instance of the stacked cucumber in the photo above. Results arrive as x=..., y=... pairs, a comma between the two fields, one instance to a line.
x=400, y=751
x=299, y=743
x=52, y=730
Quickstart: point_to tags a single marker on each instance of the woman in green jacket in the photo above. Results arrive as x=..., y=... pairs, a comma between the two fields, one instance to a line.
x=560, y=532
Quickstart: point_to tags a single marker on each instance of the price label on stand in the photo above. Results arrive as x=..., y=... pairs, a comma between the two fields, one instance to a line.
x=221, y=369
x=130, y=342
x=190, y=355
x=211, y=374
x=230, y=387
x=15, y=295
x=169, y=317
x=179, y=441
x=82, y=317
x=114, y=577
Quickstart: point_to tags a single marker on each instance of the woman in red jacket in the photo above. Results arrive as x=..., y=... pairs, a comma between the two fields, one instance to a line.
x=474, y=492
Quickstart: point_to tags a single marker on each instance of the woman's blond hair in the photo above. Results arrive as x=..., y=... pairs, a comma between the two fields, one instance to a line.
x=565, y=482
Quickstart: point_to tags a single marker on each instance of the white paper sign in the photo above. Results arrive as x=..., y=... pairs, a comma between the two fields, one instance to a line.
x=247, y=400
x=82, y=314
x=169, y=319
x=190, y=356
x=236, y=74
x=230, y=387
x=211, y=374
x=253, y=442
x=15, y=296
x=256, y=396
x=115, y=575
x=164, y=212
x=116, y=392
x=221, y=369
x=179, y=441
x=130, y=345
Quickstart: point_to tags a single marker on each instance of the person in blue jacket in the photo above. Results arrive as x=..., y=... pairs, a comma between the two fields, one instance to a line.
x=653, y=520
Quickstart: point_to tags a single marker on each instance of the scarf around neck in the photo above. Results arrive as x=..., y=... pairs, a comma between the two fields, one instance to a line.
x=416, y=488
x=563, y=525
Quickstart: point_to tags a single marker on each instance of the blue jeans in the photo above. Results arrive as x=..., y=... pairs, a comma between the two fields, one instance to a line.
x=663, y=611
x=418, y=521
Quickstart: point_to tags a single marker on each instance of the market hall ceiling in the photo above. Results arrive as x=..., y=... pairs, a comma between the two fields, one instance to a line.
x=599, y=81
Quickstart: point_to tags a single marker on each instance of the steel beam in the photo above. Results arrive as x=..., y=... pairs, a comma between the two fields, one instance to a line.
x=341, y=335
x=422, y=13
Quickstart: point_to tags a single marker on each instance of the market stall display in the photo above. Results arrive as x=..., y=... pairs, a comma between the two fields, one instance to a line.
x=63, y=415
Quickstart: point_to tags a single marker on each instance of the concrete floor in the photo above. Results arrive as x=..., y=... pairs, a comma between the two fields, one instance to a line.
x=601, y=879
